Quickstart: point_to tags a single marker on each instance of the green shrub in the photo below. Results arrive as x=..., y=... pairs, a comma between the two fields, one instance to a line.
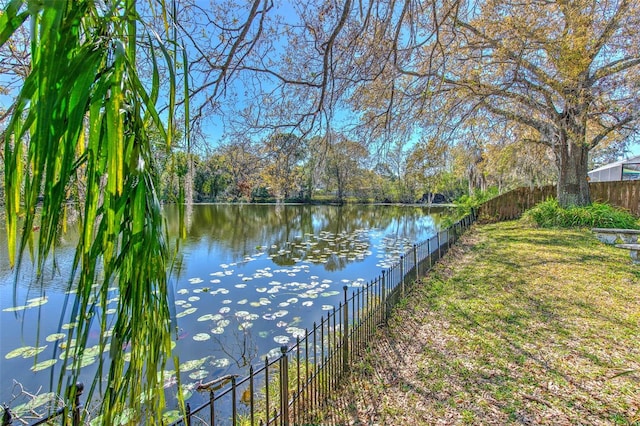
x=549, y=214
x=465, y=203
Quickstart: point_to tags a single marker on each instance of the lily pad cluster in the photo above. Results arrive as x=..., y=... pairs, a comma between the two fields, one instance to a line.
x=277, y=294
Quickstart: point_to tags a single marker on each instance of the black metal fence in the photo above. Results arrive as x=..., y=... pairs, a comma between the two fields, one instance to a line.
x=67, y=415
x=293, y=387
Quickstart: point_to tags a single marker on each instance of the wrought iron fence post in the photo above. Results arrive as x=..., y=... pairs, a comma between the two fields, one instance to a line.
x=383, y=296
x=415, y=261
x=266, y=387
x=448, y=238
x=234, y=407
x=212, y=407
x=6, y=416
x=284, y=387
x=187, y=418
x=76, y=408
x=439, y=253
x=402, y=268
x=345, y=334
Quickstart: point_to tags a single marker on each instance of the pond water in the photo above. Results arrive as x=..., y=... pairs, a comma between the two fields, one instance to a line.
x=250, y=278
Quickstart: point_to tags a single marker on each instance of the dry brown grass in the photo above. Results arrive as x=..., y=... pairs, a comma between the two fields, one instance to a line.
x=515, y=326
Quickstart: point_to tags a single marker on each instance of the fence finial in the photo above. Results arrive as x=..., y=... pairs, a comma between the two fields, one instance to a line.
x=6, y=415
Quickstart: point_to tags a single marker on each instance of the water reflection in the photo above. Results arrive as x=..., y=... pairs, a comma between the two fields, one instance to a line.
x=249, y=279
x=240, y=229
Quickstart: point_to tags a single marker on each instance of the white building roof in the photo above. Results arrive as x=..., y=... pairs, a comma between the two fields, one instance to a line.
x=632, y=160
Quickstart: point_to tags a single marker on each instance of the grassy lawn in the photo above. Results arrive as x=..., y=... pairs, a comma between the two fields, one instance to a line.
x=516, y=325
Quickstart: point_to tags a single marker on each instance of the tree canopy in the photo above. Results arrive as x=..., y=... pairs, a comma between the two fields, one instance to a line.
x=102, y=87
x=563, y=74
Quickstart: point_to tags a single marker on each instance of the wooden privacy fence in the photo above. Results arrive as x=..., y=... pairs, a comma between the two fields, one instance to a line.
x=293, y=387
x=511, y=205
x=625, y=194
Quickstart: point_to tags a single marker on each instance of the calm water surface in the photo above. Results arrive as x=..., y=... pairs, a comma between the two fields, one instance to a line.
x=249, y=279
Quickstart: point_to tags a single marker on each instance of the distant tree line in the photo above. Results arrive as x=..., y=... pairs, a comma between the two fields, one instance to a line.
x=286, y=167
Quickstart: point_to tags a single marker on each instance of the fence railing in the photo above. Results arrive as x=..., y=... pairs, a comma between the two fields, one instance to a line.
x=68, y=415
x=294, y=387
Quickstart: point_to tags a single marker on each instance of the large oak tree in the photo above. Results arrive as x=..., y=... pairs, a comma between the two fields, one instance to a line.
x=568, y=71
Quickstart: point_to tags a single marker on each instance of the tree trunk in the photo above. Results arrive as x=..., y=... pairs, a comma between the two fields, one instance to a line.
x=573, y=186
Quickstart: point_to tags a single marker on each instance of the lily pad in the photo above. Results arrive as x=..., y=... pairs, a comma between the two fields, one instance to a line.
x=165, y=375
x=245, y=325
x=82, y=362
x=171, y=416
x=64, y=345
x=221, y=363
x=55, y=336
x=37, y=301
x=205, y=317
x=35, y=402
x=296, y=332
x=43, y=365
x=15, y=308
x=92, y=351
x=193, y=364
x=186, y=312
x=199, y=374
x=201, y=337
x=187, y=391
x=120, y=419
x=25, y=352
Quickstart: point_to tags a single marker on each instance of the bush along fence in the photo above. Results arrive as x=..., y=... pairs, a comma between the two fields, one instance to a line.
x=511, y=205
x=293, y=387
